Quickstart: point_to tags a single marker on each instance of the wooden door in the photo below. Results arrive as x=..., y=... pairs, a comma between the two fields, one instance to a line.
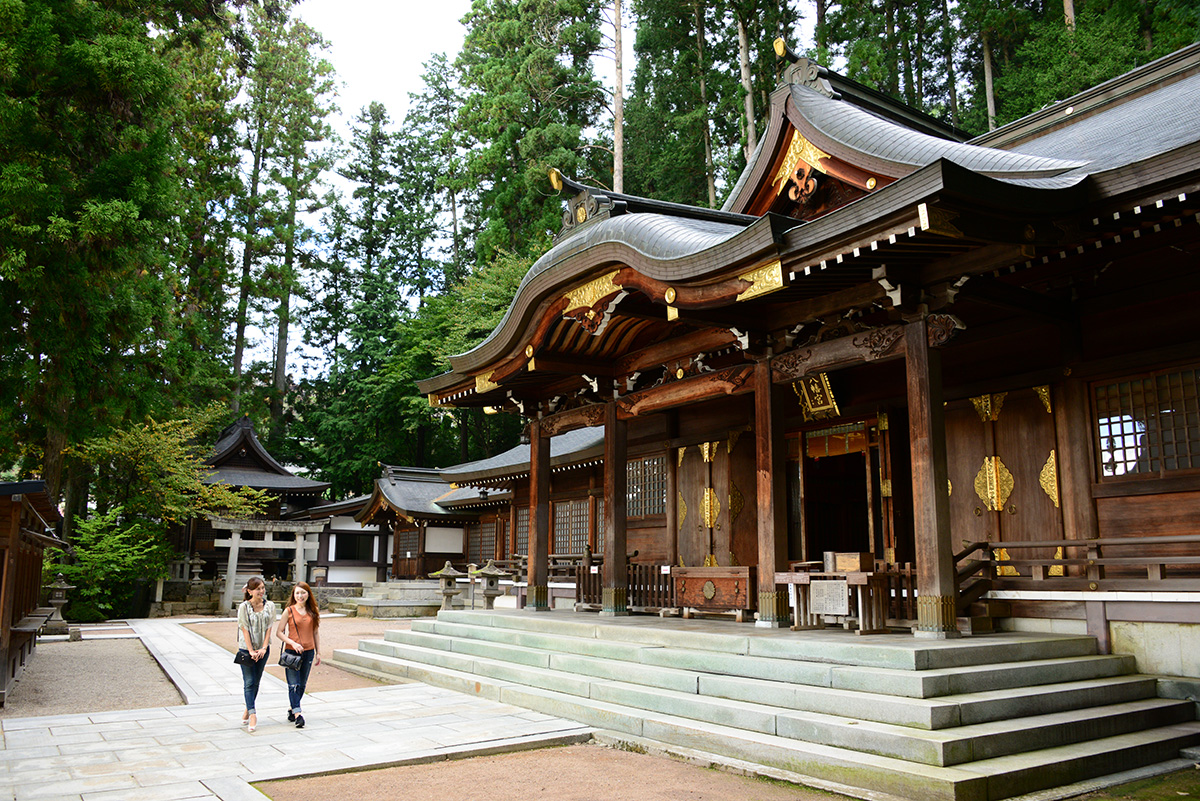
x=1003, y=472
x=703, y=514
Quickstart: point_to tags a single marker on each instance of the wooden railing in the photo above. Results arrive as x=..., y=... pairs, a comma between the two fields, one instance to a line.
x=1160, y=563
x=901, y=591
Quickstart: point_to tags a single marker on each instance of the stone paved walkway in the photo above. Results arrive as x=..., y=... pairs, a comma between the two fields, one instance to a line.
x=200, y=751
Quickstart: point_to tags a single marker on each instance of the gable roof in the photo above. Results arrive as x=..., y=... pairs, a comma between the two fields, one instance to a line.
x=240, y=460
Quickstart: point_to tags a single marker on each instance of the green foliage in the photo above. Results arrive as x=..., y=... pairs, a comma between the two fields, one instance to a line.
x=154, y=472
x=111, y=559
x=526, y=66
x=150, y=478
x=1056, y=62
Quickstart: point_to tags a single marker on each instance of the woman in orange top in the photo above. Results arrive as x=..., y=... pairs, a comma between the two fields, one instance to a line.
x=298, y=629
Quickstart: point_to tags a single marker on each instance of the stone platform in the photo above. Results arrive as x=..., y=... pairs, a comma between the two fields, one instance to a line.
x=977, y=719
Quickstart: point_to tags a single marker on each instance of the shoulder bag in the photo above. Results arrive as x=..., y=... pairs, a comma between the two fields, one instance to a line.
x=291, y=659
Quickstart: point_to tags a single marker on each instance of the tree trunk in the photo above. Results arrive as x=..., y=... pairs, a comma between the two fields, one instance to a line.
x=748, y=88
x=284, y=312
x=1069, y=14
x=988, y=89
x=821, y=36
x=79, y=477
x=248, y=249
x=708, y=159
x=951, y=78
x=892, y=54
x=618, y=104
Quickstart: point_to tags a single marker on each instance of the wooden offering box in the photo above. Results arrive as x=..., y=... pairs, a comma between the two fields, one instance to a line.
x=715, y=589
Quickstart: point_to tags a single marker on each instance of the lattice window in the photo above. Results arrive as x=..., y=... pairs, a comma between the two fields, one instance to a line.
x=407, y=542
x=523, y=530
x=646, y=486
x=481, y=542
x=1149, y=425
x=561, y=536
x=600, y=530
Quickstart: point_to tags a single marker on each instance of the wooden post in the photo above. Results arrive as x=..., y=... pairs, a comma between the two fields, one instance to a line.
x=539, y=520
x=672, y=491
x=1073, y=434
x=936, y=599
x=616, y=572
x=771, y=495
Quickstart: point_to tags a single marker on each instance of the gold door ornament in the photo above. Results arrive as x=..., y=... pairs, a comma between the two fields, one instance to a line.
x=993, y=483
x=711, y=508
x=1048, y=478
x=682, y=451
x=682, y=512
x=736, y=502
x=988, y=406
x=1043, y=394
x=1057, y=570
x=1001, y=555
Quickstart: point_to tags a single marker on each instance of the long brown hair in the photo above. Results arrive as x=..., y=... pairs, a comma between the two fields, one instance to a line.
x=310, y=604
x=251, y=583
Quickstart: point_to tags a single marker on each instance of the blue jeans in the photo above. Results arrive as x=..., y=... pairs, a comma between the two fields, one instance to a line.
x=298, y=679
x=252, y=677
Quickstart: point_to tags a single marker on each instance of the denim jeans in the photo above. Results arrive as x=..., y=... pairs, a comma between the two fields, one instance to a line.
x=298, y=679
x=252, y=677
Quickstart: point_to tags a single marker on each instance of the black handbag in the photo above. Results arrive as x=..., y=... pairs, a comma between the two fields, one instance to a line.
x=242, y=657
x=291, y=659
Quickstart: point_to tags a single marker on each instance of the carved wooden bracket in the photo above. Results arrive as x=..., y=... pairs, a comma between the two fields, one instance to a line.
x=689, y=390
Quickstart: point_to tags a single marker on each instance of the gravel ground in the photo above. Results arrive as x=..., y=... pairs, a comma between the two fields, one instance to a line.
x=89, y=676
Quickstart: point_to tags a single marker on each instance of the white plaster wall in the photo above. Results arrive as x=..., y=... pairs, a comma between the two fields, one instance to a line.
x=443, y=540
x=1169, y=649
x=350, y=575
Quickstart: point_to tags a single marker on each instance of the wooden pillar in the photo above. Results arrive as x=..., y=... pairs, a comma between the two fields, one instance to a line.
x=616, y=572
x=771, y=495
x=539, y=520
x=1073, y=433
x=936, y=595
x=672, y=491
x=235, y=540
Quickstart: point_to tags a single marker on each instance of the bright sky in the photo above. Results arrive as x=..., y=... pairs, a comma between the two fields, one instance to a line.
x=378, y=47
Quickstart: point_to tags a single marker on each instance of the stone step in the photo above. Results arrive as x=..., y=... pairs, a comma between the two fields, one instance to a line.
x=875, y=680
x=995, y=777
x=937, y=713
x=896, y=651
x=856, y=725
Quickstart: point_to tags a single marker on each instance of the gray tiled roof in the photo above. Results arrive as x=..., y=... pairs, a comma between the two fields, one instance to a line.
x=1129, y=132
x=414, y=490
x=260, y=479
x=854, y=130
x=564, y=448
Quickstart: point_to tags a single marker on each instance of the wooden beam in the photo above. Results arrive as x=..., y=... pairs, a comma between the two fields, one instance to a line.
x=656, y=355
x=732, y=380
x=803, y=311
x=1001, y=295
x=877, y=344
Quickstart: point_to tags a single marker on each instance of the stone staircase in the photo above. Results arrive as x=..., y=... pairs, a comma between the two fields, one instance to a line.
x=977, y=719
x=386, y=599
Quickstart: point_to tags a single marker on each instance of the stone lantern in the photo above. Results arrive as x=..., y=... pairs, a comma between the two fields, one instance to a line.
x=58, y=597
x=197, y=564
x=448, y=578
x=491, y=576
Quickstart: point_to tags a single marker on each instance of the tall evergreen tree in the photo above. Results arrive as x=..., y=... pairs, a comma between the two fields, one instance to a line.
x=527, y=70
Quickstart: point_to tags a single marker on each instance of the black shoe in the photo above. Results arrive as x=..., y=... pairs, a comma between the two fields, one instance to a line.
x=299, y=721
x=291, y=716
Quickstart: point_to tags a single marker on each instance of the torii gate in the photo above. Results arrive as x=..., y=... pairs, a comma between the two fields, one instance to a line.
x=299, y=528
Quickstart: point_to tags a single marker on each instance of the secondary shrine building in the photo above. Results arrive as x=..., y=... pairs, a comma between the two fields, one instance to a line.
x=975, y=361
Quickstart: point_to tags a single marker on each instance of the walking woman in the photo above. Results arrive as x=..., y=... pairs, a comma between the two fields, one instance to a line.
x=298, y=630
x=256, y=619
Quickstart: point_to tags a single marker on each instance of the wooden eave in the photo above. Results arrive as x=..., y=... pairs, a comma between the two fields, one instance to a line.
x=701, y=280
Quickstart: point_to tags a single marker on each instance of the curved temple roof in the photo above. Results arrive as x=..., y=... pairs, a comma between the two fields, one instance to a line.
x=871, y=142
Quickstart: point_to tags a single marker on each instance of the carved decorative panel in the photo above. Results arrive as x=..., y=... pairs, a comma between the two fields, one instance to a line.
x=993, y=483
